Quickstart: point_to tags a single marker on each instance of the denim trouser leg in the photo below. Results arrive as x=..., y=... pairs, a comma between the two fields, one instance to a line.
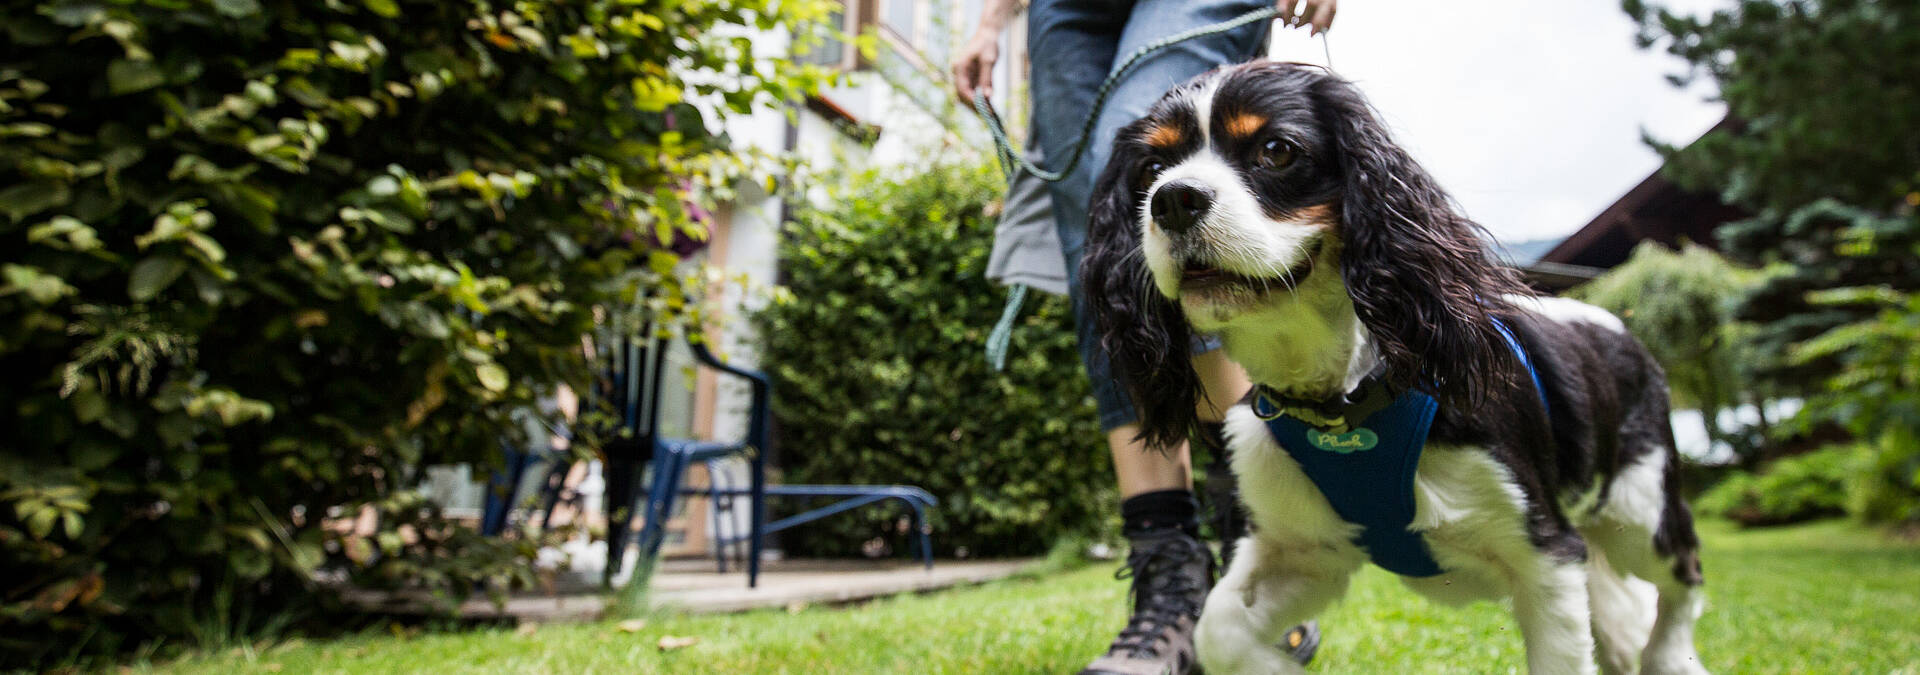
x=1073, y=45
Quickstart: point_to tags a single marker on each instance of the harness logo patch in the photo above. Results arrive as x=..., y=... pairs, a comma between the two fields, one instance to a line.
x=1357, y=440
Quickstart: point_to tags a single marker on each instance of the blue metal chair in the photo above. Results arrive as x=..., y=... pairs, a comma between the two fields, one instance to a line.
x=503, y=484
x=638, y=371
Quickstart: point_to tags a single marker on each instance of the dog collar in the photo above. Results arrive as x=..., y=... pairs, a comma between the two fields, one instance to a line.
x=1334, y=413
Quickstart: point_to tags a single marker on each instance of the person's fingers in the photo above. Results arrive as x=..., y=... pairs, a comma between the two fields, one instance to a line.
x=1323, y=19
x=968, y=76
x=1308, y=10
x=1286, y=11
x=984, y=78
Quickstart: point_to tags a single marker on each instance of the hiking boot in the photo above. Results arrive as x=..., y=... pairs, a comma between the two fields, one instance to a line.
x=1171, y=572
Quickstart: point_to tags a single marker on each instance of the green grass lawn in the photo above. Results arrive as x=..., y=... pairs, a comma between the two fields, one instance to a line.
x=1819, y=598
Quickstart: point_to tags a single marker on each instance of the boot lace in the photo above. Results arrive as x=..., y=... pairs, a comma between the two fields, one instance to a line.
x=1162, y=593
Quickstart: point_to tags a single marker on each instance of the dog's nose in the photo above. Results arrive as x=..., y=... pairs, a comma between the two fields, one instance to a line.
x=1176, y=206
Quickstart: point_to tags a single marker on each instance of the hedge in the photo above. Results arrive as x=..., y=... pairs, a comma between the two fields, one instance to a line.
x=266, y=259
x=1790, y=489
x=880, y=375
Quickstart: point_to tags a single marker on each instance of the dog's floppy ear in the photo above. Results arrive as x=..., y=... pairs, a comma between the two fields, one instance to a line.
x=1421, y=276
x=1144, y=334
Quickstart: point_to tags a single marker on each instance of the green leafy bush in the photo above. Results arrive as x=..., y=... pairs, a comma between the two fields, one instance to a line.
x=1677, y=302
x=265, y=260
x=1792, y=489
x=1875, y=395
x=880, y=374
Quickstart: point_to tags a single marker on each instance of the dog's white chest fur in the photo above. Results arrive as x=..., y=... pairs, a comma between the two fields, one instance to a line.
x=1473, y=515
x=1465, y=504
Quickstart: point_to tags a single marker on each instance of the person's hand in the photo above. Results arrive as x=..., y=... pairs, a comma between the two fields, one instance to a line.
x=1315, y=13
x=973, y=65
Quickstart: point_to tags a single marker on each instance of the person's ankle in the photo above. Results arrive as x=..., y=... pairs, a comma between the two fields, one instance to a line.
x=1162, y=509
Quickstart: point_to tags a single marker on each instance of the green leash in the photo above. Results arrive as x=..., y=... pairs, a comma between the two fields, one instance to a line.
x=1011, y=161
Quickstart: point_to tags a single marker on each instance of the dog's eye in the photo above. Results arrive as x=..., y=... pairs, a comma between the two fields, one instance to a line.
x=1275, y=154
x=1149, y=171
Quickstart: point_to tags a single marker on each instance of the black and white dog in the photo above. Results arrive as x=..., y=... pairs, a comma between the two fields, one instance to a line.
x=1266, y=204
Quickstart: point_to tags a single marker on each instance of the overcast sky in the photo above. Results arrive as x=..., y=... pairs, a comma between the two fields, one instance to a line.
x=1529, y=112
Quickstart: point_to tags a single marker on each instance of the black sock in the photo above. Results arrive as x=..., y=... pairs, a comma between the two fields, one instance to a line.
x=1165, y=509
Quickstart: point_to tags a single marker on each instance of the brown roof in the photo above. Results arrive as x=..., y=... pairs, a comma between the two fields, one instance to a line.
x=1655, y=210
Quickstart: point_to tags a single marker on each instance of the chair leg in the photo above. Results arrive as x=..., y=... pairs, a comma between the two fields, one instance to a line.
x=757, y=520
x=622, y=477
x=501, y=488
x=667, y=471
x=920, y=527
x=714, y=486
x=551, y=488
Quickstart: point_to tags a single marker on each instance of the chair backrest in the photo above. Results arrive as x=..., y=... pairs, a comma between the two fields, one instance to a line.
x=635, y=370
x=760, y=414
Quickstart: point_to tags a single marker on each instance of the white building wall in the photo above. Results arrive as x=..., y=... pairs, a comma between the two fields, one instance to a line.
x=910, y=134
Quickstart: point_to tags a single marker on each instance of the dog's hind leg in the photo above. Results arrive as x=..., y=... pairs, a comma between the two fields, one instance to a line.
x=1646, y=529
x=1622, y=614
x=1265, y=592
x=1670, y=650
x=1550, y=603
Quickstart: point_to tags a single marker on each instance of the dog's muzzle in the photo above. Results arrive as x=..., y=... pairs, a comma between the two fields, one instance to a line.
x=1179, y=205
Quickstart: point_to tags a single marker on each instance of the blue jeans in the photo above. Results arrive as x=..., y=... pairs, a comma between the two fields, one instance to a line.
x=1073, y=45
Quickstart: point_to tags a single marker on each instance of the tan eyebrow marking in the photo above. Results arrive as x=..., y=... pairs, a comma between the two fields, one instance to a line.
x=1318, y=214
x=1245, y=124
x=1163, y=136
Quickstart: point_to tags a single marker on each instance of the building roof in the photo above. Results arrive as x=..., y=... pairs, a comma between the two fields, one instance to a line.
x=1655, y=210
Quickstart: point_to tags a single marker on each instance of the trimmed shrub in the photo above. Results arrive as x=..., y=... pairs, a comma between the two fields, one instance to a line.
x=1792, y=489
x=267, y=259
x=876, y=349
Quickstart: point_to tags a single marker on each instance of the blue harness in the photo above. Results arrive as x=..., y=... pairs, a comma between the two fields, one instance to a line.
x=1366, y=471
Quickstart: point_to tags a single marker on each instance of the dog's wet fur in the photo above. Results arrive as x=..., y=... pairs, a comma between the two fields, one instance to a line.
x=1292, y=226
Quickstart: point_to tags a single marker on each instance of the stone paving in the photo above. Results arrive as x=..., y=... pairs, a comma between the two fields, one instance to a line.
x=695, y=585
x=788, y=583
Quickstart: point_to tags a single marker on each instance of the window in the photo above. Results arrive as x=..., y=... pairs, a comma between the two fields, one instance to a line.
x=900, y=18
x=827, y=49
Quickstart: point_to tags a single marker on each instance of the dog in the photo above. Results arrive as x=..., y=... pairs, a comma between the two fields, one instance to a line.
x=1266, y=204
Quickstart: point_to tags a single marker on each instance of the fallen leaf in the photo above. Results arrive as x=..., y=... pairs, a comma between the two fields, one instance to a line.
x=526, y=628
x=796, y=607
x=672, y=642
x=631, y=625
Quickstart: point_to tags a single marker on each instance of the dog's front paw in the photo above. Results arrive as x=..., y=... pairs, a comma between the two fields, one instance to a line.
x=1226, y=644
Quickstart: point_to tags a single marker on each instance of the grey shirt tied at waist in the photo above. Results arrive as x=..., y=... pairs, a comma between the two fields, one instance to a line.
x=1026, y=252
x=1026, y=243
